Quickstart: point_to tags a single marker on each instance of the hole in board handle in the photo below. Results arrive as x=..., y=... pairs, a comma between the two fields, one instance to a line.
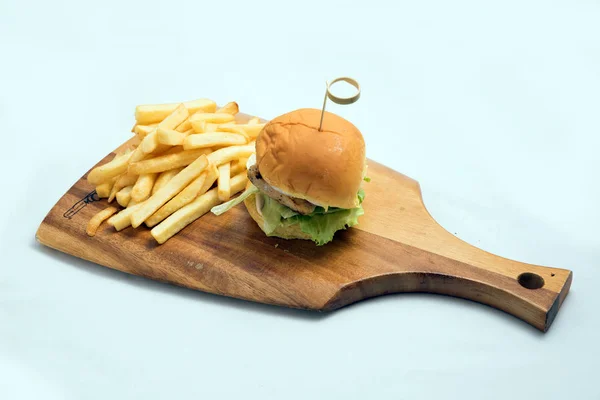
x=529, y=280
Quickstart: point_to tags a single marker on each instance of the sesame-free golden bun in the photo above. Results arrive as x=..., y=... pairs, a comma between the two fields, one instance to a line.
x=324, y=167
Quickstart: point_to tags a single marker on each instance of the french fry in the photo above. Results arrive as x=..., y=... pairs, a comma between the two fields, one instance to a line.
x=233, y=128
x=238, y=166
x=194, y=210
x=170, y=190
x=251, y=130
x=166, y=161
x=173, y=150
x=142, y=130
x=170, y=137
x=229, y=108
x=103, y=190
x=184, y=126
x=210, y=127
x=203, y=127
x=150, y=142
x=122, y=181
x=106, y=172
x=124, y=196
x=153, y=113
x=164, y=178
x=143, y=186
x=197, y=187
x=97, y=219
x=231, y=153
x=203, y=140
x=125, y=180
x=220, y=118
x=200, y=127
x=242, y=161
x=212, y=175
x=137, y=154
x=224, y=189
x=122, y=219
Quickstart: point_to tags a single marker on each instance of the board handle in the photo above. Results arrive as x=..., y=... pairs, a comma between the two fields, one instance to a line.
x=428, y=258
x=530, y=292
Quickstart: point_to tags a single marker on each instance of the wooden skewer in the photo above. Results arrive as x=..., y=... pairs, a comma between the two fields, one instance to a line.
x=337, y=99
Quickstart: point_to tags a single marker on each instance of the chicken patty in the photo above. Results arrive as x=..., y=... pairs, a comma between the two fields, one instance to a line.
x=299, y=205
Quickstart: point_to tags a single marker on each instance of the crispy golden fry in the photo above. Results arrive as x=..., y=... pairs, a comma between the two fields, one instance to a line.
x=170, y=137
x=153, y=113
x=210, y=127
x=231, y=153
x=166, y=162
x=150, y=142
x=232, y=128
x=229, y=108
x=122, y=220
x=170, y=190
x=164, y=178
x=202, y=140
x=211, y=177
x=173, y=150
x=204, y=127
x=223, y=186
x=175, y=118
x=254, y=121
x=242, y=161
x=103, y=190
x=112, y=194
x=184, y=126
x=238, y=166
x=196, y=188
x=137, y=155
x=125, y=180
x=200, y=127
x=142, y=130
x=220, y=118
x=97, y=219
x=251, y=130
x=194, y=210
x=106, y=172
x=124, y=196
x=143, y=187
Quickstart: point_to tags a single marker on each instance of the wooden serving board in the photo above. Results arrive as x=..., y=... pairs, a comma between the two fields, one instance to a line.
x=397, y=247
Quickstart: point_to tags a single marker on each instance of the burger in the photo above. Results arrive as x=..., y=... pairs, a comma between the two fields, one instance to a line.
x=305, y=183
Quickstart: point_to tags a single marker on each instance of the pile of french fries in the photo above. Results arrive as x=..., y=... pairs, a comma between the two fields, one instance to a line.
x=166, y=180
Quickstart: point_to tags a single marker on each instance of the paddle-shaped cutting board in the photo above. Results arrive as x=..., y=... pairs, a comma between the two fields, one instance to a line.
x=397, y=247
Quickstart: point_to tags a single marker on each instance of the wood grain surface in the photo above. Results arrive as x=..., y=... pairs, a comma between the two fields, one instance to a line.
x=397, y=247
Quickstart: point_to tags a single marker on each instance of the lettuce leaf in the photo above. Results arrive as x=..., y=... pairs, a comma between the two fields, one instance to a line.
x=321, y=225
x=273, y=212
x=222, y=208
x=361, y=195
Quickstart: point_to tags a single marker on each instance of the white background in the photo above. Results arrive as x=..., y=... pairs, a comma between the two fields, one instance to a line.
x=492, y=106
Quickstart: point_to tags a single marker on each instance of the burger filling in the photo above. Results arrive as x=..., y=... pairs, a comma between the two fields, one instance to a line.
x=278, y=209
x=301, y=206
